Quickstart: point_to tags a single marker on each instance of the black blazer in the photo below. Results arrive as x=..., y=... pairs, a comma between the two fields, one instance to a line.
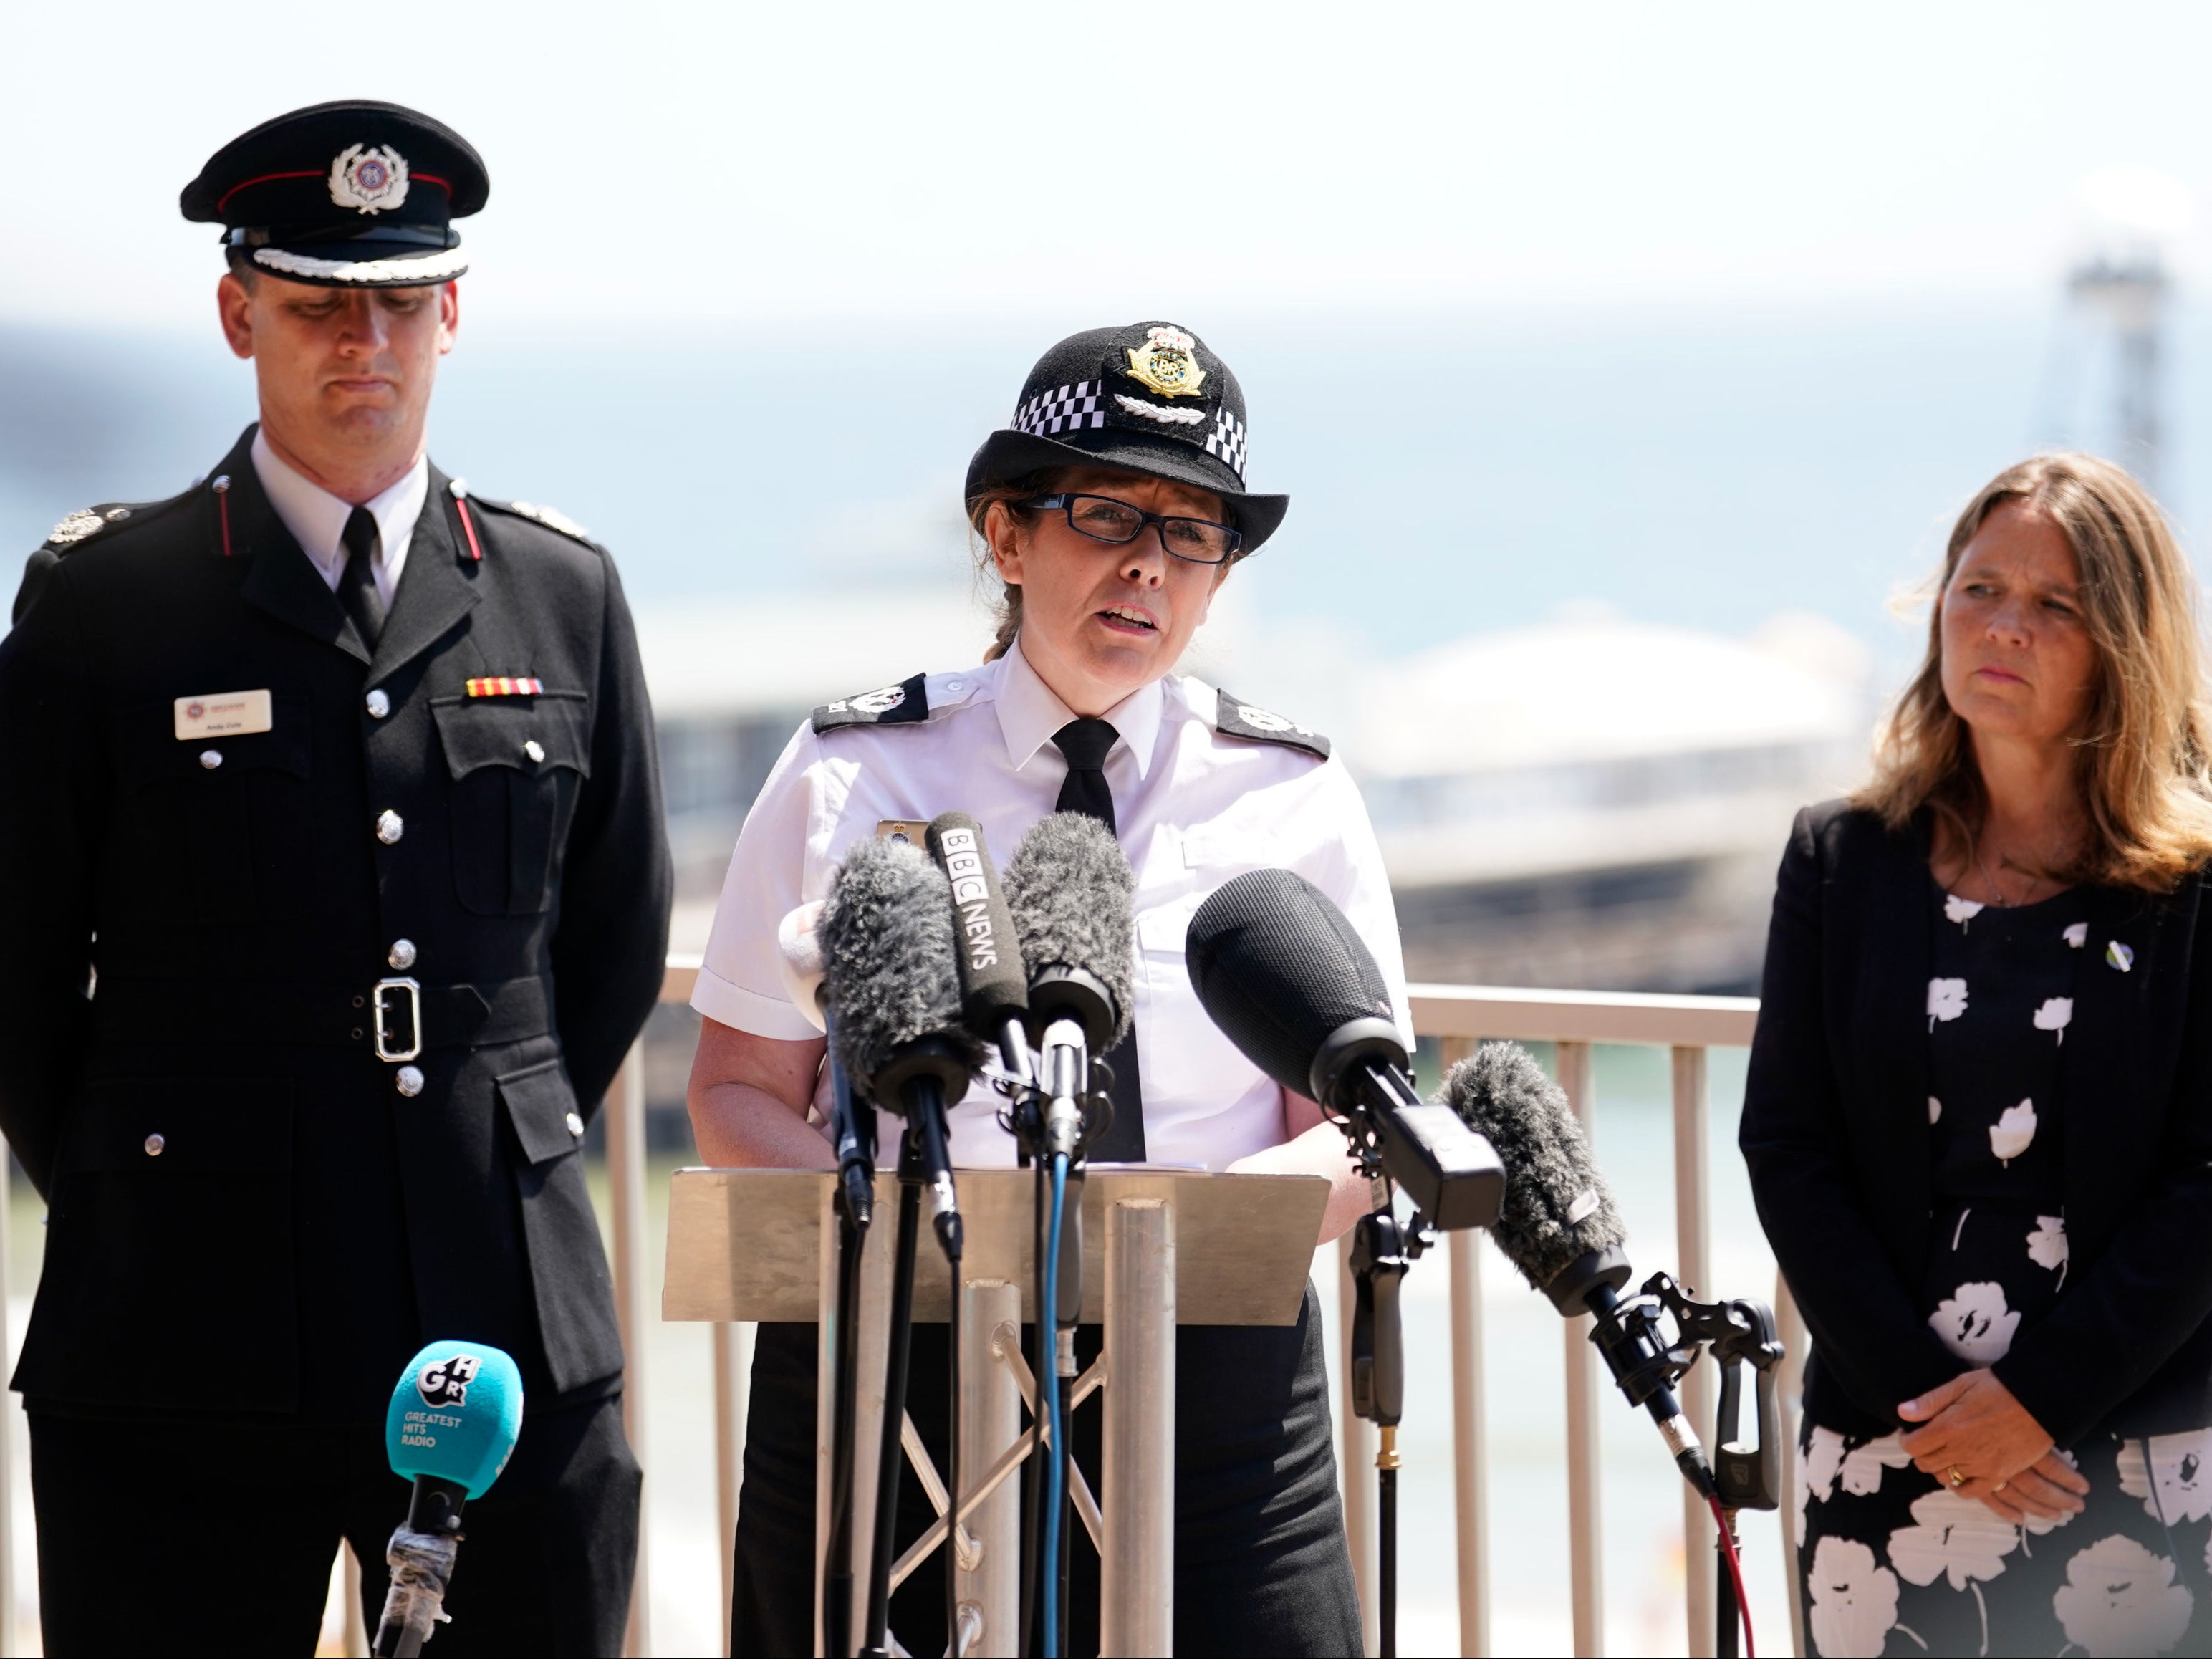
x=1835, y=1130
x=189, y=932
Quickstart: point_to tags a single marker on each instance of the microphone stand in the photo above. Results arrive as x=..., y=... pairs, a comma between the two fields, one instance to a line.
x=923, y=1163
x=855, y=1204
x=1383, y=1248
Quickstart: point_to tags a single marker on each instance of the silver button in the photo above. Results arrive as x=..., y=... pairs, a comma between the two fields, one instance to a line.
x=117, y=514
x=222, y=482
x=401, y=956
x=535, y=750
x=409, y=1080
x=210, y=759
x=154, y=1144
x=389, y=826
x=379, y=704
x=575, y=1126
x=956, y=685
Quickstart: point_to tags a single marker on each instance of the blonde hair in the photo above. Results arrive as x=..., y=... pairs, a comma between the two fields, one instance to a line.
x=2140, y=752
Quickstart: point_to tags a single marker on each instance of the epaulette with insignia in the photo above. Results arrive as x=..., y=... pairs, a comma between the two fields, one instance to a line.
x=552, y=517
x=906, y=703
x=1240, y=719
x=82, y=526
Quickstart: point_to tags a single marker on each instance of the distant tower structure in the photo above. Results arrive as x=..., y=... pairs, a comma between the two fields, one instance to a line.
x=2130, y=214
x=2129, y=293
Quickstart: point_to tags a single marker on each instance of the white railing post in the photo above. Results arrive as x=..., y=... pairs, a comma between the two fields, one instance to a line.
x=1470, y=1437
x=733, y=1375
x=1585, y=1508
x=1693, y=1256
x=1357, y=1446
x=625, y=1110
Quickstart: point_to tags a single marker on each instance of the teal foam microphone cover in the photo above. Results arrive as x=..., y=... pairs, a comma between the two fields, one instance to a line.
x=455, y=1415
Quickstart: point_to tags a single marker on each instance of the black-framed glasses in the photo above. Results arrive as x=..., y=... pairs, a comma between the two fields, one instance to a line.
x=1195, y=541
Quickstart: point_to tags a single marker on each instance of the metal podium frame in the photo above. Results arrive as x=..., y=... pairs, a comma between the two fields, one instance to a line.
x=1162, y=1247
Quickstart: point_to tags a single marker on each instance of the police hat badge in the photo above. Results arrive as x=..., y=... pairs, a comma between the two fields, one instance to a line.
x=1149, y=397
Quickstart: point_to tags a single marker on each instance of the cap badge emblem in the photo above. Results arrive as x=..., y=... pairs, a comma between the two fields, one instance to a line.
x=369, y=180
x=1167, y=364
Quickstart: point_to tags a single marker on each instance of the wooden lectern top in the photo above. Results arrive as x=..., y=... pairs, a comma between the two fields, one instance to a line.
x=746, y=1244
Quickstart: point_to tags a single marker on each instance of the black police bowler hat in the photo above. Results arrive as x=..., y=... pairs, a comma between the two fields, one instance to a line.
x=1146, y=398
x=352, y=194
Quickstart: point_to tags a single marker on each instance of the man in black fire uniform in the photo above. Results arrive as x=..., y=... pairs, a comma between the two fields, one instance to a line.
x=333, y=891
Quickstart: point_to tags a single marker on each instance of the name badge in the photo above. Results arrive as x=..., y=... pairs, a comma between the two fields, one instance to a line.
x=222, y=715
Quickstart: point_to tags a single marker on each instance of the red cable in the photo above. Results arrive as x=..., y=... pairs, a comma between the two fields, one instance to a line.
x=1736, y=1573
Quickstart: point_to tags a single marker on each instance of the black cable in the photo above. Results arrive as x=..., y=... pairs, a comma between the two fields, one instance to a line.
x=1386, y=1483
x=890, y=1453
x=837, y=1588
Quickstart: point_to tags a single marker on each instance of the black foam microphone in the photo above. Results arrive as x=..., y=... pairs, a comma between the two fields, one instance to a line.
x=994, y=985
x=1561, y=1229
x=1068, y=889
x=889, y=975
x=1287, y=979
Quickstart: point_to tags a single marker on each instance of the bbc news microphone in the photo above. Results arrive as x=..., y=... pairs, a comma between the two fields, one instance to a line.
x=994, y=991
x=891, y=979
x=454, y=1417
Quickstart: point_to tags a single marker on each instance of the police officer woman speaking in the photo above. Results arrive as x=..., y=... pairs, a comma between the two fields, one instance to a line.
x=333, y=889
x=1113, y=508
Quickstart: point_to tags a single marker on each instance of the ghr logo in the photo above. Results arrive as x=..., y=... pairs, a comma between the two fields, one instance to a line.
x=446, y=1382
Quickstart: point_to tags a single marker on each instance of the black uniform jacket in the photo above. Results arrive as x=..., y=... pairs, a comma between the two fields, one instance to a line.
x=246, y=1213
x=1835, y=1130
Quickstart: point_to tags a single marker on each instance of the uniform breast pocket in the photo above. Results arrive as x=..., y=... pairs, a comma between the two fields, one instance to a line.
x=213, y=827
x=517, y=764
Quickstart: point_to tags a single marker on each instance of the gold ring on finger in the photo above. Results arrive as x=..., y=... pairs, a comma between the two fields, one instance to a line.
x=1956, y=1476
x=1999, y=1485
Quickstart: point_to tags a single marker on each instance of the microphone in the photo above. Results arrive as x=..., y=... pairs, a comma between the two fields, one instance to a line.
x=1561, y=1228
x=452, y=1424
x=799, y=948
x=1285, y=975
x=1068, y=890
x=995, y=987
x=888, y=980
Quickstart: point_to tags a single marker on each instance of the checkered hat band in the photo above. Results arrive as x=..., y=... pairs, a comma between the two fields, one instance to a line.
x=1068, y=409
x=1227, y=441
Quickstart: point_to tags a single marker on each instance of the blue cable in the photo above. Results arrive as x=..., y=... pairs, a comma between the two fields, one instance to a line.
x=1049, y=1413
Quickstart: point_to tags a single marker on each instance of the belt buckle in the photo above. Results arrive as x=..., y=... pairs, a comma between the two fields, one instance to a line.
x=414, y=989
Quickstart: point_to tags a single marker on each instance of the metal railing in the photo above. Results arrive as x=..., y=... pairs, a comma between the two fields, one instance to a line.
x=1459, y=1017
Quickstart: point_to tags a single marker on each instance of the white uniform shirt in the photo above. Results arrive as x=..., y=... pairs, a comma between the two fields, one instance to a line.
x=316, y=518
x=1193, y=806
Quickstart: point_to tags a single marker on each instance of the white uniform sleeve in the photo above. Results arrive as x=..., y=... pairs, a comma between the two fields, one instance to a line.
x=1351, y=872
x=773, y=869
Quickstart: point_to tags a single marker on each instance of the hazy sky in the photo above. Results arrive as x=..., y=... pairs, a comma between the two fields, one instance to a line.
x=760, y=165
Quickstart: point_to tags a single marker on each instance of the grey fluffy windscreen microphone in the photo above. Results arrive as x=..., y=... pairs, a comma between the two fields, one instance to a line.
x=889, y=973
x=1561, y=1229
x=1558, y=1208
x=1069, y=889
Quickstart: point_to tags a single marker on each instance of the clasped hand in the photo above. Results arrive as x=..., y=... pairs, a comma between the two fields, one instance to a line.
x=1974, y=1424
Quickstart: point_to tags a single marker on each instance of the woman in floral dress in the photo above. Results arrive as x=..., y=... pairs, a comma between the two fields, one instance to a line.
x=1978, y=1121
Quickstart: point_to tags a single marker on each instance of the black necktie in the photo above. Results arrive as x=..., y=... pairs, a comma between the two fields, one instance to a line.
x=1085, y=743
x=357, y=581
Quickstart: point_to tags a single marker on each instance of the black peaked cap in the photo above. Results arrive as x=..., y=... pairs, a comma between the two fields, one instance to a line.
x=350, y=194
x=1147, y=398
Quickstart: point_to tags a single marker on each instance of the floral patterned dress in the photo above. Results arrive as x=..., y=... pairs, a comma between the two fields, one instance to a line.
x=1893, y=1561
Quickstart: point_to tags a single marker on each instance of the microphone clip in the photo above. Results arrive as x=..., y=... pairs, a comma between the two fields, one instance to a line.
x=1737, y=1332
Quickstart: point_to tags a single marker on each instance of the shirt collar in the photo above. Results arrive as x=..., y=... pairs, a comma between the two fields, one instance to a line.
x=1030, y=711
x=316, y=518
